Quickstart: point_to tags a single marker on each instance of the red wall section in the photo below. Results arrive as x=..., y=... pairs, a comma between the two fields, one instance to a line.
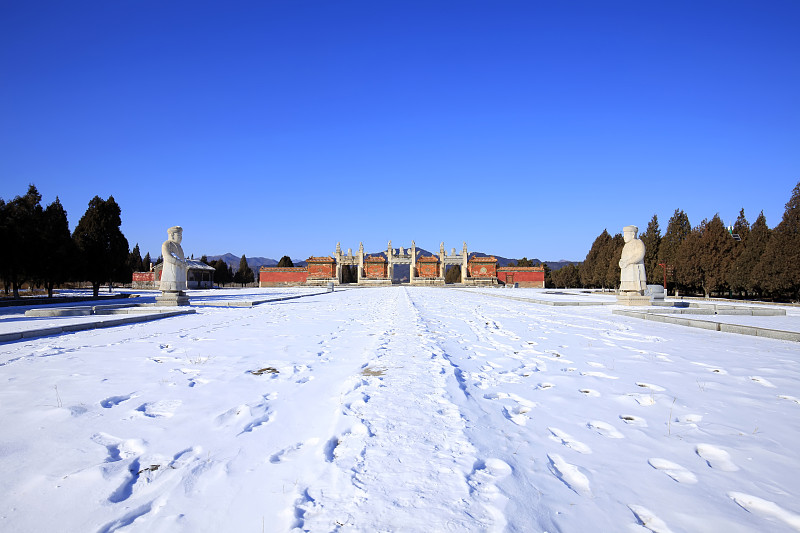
x=427, y=267
x=375, y=268
x=482, y=267
x=269, y=276
x=525, y=276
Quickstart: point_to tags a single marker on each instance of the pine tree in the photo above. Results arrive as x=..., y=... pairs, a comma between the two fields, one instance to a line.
x=135, y=259
x=652, y=241
x=204, y=259
x=688, y=270
x=146, y=262
x=780, y=265
x=595, y=266
x=102, y=248
x=757, y=241
x=524, y=262
x=245, y=274
x=4, y=244
x=285, y=262
x=59, y=246
x=614, y=253
x=678, y=229
x=716, y=252
x=739, y=272
x=23, y=239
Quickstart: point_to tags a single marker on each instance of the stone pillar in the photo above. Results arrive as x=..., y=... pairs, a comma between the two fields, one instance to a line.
x=442, y=256
x=464, y=263
x=389, y=265
x=360, y=261
x=413, y=262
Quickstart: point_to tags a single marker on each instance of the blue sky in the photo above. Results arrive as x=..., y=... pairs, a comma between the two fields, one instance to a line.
x=281, y=127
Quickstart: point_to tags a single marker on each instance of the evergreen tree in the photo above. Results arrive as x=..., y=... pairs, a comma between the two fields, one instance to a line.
x=146, y=262
x=135, y=260
x=245, y=274
x=4, y=244
x=567, y=277
x=652, y=241
x=222, y=273
x=58, y=245
x=102, y=248
x=780, y=265
x=285, y=262
x=548, y=279
x=453, y=274
x=524, y=262
x=678, y=229
x=594, y=268
x=23, y=237
x=754, y=251
x=716, y=253
x=204, y=260
x=739, y=272
x=688, y=270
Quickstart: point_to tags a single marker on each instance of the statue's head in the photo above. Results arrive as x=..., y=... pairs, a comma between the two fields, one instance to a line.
x=175, y=234
x=629, y=233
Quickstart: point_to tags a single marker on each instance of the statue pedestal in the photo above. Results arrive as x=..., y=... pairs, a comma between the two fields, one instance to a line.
x=172, y=298
x=632, y=298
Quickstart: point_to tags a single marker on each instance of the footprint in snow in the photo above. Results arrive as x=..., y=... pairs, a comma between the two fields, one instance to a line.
x=634, y=420
x=650, y=386
x=605, y=429
x=598, y=375
x=649, y=520
x=716, y=457
x=590, y=392
x=762, y=381
x=570, y=475
x=288, y=452
x=766, y=509
x=486, y=474
x=567, y=440
x=160, y=408
x=112, y=401
x=673, y=470
x=790, y=398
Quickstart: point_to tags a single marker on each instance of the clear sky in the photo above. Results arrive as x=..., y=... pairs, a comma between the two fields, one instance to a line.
x=275, y=128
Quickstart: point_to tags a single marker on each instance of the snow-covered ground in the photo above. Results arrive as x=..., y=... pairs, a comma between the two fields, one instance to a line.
x=400, y=409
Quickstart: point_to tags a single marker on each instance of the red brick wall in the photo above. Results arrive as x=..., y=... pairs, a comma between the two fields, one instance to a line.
x=144, y=276
x=482, y=269
x=375, y=269
x=427, y=268
x=525, y=276
x=269, y=276
x=321, y=269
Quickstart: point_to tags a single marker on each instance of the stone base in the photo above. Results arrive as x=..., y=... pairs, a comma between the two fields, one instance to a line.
x=321, y=282
x=480, y=282
x=372, y=282
x=172, y=298
x=427, y=281
x=633, y=298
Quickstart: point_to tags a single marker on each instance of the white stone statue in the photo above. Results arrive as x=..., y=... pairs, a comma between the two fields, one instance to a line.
x=173, y=275
x=631, y=264
x=402, y=252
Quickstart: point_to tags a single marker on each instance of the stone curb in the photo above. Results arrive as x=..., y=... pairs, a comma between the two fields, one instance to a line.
x=541, y=302
x=714, y=326
x=253, y=303
x=71, y=328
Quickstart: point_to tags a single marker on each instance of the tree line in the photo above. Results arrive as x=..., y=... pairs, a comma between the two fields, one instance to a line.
x=704, y=259
x=40, y=250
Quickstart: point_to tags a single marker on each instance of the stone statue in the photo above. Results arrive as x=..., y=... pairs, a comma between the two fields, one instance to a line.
x=441, y=248
x=173, y=275
x=338, y=249
x=402, y=252
x=631, y=264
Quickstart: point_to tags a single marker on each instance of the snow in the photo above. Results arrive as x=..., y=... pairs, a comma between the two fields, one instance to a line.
x=399, y=409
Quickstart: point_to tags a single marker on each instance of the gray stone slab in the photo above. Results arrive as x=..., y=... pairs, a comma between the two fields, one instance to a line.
x=778, y=334
x=71, y=328
x=736, y=328
x=59, y=311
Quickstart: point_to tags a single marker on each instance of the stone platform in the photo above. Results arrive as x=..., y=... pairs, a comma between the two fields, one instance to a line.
x=633, y=299
x=172, y=298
